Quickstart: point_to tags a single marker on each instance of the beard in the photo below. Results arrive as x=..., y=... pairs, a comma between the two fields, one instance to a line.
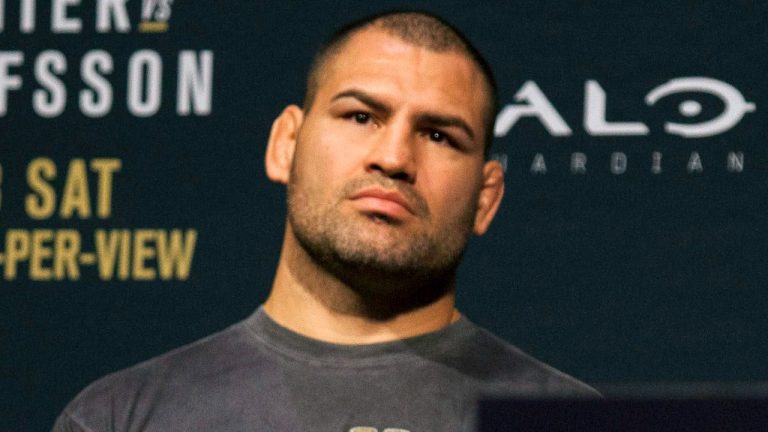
x=391, y=266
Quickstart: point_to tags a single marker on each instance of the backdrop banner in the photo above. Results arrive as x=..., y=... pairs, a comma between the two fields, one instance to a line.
x=135, y=215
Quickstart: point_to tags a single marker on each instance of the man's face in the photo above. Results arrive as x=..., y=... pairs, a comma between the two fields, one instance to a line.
x=388, y=162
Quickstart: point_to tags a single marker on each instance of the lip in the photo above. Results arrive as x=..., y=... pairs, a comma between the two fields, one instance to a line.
x=389, y=202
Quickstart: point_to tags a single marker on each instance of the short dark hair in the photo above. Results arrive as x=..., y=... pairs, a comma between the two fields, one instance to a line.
x=419, y=28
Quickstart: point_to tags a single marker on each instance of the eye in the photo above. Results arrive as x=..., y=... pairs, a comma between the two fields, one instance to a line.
x=360, y=117
x=438, y=137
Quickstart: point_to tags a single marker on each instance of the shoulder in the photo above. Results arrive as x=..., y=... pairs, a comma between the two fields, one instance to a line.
x=124, y=396
x=503, y=368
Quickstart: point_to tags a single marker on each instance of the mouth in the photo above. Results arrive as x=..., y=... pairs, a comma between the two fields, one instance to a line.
x=379, y=202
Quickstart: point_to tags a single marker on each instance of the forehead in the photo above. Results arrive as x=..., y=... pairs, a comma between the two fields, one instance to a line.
x=378, y=61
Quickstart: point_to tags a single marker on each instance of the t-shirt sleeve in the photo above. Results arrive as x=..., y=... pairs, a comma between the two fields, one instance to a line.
x=65, y=423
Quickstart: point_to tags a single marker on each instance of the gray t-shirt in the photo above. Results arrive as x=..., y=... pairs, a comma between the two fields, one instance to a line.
x=259, y=376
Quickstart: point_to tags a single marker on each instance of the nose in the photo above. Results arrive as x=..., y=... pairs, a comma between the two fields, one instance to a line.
x=393, y=153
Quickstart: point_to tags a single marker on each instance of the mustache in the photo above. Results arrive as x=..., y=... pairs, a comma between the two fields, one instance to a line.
x=415, y=200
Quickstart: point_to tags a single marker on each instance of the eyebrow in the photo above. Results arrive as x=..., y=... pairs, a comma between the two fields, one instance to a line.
x=438, y=120
x=364, y=98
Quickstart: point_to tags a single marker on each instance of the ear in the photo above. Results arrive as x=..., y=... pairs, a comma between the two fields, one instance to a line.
x=282, y=144
x=490, y=196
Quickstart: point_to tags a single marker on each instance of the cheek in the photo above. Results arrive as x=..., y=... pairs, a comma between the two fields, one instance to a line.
x=454, y=197
x=328, y=138
x=323, y=162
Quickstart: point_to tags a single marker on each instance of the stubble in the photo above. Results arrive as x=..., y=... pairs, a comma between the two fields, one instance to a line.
x=389, y=266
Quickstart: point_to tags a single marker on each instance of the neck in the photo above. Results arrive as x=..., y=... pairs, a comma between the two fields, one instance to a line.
x=313, y=302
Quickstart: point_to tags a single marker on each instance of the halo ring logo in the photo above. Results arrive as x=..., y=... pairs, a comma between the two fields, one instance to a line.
x=735, y=105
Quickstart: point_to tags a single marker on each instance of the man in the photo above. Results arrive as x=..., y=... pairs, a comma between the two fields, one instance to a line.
x=387, y=177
